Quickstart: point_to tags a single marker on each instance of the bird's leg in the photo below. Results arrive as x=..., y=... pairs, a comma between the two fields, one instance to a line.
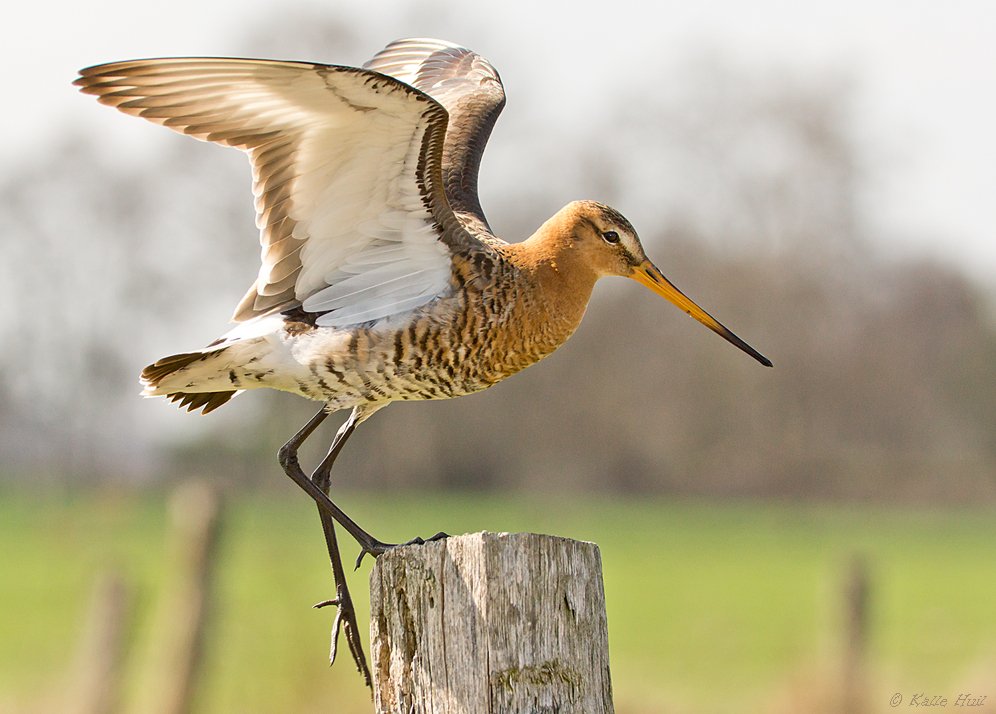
x=345, y=617
x=358, y=415
x=318, y=488
x=291, y=467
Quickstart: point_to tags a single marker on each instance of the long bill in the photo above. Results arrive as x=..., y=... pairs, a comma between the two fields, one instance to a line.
x=647, y=274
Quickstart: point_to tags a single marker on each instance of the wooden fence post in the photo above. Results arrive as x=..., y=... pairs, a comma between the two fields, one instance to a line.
x=172, y=665
x=490, y=624
x=96, y=682
x=856, y=631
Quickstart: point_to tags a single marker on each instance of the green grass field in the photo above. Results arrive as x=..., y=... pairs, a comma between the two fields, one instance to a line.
x=712, y=607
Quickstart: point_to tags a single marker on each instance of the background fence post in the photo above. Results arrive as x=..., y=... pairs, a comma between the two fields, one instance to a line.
x=490, y=623
x=96, y=681
x=172, y=665
x=856, y=631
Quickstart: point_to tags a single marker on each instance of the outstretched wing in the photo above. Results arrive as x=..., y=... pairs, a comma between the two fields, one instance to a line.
x=471, y=91
x=347, y=174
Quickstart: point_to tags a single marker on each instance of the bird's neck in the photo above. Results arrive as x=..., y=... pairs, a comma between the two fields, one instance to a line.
x=560, y=284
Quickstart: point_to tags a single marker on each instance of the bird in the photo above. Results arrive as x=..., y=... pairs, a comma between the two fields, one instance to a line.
x=380, y=279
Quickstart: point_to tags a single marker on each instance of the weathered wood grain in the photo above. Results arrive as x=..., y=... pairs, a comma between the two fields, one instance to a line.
x=490, y=624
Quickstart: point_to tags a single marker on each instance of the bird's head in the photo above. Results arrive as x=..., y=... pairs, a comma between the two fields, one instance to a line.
x=602, y=239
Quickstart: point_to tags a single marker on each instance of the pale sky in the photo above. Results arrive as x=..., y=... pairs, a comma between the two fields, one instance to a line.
x=926, y=73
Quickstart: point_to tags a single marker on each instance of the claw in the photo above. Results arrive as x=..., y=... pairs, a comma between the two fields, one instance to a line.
x=359, y=558
x=336, y=627
x=375, y=549
x=345, y=622
x=419, y=541
x=356, y=648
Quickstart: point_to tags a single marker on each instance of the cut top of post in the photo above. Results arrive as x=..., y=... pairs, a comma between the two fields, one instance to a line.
x=490, y=623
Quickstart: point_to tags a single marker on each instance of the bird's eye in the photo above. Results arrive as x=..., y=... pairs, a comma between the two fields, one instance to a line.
x=610, y=237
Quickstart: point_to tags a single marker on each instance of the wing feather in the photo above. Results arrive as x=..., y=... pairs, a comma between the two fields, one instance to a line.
x=347, y=173
x=470, y=90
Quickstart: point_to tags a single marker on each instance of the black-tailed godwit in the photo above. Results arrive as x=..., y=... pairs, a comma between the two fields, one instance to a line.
x=380, y=279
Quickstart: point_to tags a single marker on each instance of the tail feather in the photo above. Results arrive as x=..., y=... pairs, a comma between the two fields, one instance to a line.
x=195, y=400
x=154, y=374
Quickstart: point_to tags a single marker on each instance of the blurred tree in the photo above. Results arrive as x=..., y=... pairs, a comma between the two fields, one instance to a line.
x=104, y=267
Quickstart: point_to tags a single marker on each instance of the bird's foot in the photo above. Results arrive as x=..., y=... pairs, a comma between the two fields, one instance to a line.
x=418, y=541
x=376, y=548
x=345, y=622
